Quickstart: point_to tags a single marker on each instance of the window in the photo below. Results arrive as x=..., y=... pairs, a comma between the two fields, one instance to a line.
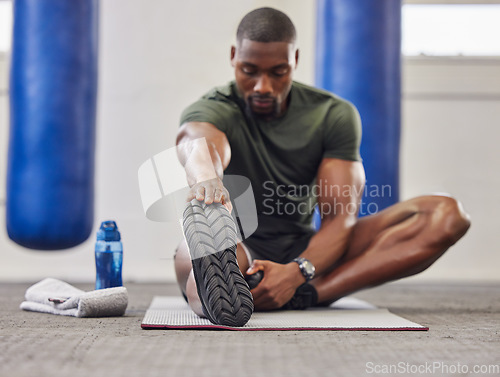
x=5, y=25
x=451, y=30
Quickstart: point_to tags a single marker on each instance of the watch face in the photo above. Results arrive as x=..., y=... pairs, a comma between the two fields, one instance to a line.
x=308, y=267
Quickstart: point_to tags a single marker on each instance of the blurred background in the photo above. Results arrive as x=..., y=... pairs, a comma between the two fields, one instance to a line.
x=156, y=57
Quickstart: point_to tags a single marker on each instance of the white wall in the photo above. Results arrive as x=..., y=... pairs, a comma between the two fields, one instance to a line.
x=157, y=56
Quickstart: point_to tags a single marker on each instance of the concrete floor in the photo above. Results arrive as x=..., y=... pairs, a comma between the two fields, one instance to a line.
x=463, y=320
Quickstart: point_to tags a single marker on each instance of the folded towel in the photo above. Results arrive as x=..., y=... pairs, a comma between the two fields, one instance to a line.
x=57, y=297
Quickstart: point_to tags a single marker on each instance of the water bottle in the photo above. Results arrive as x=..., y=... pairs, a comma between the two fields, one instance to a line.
x=108, y=256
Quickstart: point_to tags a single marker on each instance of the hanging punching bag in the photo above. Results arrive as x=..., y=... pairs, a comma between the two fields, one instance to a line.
x=53, y=87
x=358, y=57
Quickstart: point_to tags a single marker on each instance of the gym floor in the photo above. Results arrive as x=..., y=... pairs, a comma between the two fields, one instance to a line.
x=463, y=321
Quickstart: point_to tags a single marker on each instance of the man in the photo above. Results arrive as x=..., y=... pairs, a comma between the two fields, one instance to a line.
x=285, y=136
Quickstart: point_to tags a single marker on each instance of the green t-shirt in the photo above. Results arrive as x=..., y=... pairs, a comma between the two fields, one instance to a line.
x=281, y=158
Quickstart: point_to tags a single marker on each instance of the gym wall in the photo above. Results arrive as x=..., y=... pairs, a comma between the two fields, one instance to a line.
x=156, y=57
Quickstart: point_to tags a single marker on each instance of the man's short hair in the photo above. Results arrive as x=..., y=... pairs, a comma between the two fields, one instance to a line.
x=266, y=25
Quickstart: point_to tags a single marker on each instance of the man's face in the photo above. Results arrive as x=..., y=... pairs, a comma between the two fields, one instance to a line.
x=264, y=73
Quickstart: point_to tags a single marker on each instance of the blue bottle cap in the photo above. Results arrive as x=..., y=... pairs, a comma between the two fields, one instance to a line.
x=108, y=232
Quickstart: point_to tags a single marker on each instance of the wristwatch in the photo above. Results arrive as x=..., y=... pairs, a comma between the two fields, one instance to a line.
x=306, y=267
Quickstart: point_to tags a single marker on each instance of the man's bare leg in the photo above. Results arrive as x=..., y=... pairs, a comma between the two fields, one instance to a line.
x=185, y=276
x=400, y=241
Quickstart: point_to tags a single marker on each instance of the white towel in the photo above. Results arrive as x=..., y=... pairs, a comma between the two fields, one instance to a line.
x=57, y=297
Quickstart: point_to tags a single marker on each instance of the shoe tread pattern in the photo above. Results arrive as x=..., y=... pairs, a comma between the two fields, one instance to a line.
x=210, y=233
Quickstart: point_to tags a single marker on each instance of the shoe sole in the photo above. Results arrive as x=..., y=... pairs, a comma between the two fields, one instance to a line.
x=210, y=234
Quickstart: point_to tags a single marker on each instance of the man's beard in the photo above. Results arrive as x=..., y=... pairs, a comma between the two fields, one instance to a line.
x=272, y=114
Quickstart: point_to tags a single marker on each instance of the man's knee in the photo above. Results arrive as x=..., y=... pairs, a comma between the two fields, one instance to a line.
x=450, y=219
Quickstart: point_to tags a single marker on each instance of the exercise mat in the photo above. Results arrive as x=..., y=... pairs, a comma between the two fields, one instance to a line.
x=166, y=312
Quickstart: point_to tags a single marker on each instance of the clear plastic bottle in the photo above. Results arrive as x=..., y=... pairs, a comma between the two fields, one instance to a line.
x=108, y=256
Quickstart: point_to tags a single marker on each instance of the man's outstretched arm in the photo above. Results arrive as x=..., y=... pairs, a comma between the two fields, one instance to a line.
x=342, y=183
x=204, y=152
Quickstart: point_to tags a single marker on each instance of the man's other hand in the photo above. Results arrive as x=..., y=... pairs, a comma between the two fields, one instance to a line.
x=278, y=285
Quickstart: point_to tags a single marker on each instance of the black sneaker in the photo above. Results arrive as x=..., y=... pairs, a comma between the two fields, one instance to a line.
x=254, y=279
x=305, y=296
x=210, y=233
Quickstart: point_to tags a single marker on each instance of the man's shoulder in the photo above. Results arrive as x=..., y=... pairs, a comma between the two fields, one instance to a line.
x=310, y=95
x=222, y=93
x=322, y=101
x=218, y=106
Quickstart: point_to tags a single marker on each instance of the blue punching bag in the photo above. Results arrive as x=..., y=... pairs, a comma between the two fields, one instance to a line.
x=358, y=58
x=53, y=88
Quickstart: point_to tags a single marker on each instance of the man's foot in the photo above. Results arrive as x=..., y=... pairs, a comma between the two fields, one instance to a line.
x=211, y=237
x=305, y=296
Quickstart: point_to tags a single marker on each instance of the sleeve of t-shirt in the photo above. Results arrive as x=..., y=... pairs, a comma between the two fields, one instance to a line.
x=342, y=136
x=210, y=111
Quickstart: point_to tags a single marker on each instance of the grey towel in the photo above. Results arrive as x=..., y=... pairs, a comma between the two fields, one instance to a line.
x=57, y=297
